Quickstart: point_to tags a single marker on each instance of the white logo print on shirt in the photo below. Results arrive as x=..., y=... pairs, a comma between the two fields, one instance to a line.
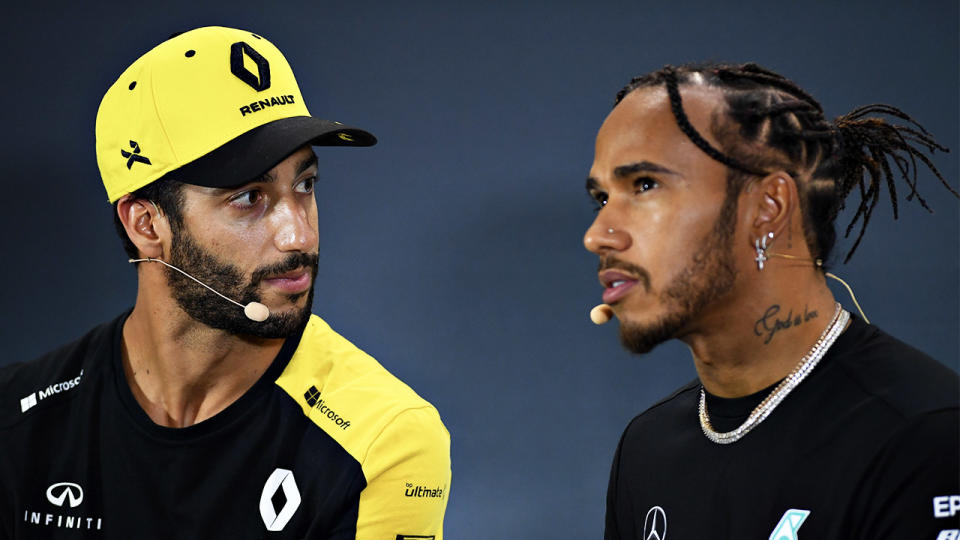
x=655, y=524
x=789, y=524
x=280, y=478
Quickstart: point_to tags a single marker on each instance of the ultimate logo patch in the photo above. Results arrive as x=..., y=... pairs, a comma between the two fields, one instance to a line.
x=423, y=491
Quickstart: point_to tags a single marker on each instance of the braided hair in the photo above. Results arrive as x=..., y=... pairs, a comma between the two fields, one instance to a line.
x=770, y=123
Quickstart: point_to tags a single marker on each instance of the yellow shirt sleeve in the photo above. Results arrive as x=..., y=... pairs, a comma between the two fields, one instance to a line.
x=396, y=436
x=408, y=479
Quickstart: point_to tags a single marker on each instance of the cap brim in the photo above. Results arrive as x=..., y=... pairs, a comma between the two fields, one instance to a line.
x=248, y=156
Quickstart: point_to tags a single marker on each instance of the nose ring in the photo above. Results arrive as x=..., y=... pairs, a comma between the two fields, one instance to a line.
x=609, y=231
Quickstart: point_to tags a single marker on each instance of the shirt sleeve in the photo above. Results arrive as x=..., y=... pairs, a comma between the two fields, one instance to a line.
x=611, y=531
x=408, y=479
x=912, y=489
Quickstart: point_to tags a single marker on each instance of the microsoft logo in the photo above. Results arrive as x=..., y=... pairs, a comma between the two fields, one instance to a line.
x=28, y=402
x=312, y=395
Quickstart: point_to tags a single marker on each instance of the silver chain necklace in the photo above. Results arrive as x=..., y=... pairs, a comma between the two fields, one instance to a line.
x=763, y=410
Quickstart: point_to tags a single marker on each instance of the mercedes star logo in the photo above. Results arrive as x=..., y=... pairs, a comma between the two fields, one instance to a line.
x=58, y=492
x=655, y=524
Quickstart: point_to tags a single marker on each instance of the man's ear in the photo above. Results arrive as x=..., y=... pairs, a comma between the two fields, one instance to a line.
x=772, y=202
x=146, y=226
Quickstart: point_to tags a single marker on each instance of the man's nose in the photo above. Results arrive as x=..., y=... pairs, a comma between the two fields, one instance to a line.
x=603, y=236
x=294, y=229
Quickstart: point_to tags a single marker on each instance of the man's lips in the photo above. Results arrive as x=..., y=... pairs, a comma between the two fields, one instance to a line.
x=290, y=282
x=616, y=285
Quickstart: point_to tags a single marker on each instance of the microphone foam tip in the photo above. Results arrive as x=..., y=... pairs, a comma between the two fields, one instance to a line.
x=255, y=311
x=601, y=314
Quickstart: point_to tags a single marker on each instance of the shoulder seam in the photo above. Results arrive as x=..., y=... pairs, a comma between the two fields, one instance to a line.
x=375, y=438
x=883, y=399
x=676, y=393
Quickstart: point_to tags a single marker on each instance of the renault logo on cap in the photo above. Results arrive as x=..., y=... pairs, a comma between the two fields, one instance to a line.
x=60, y=491
x=260, y=81
x=655, y=524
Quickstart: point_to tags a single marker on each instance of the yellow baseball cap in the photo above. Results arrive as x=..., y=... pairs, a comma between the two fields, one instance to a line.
x=214, y=107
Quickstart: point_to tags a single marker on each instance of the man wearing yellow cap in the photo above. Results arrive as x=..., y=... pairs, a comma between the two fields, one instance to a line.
x=218, y=407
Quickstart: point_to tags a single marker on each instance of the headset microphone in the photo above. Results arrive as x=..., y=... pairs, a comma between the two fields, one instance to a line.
x=601, y=314
x=255, y=311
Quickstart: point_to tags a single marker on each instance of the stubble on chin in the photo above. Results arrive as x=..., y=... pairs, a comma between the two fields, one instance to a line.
x=207, y=308
x=708, y=278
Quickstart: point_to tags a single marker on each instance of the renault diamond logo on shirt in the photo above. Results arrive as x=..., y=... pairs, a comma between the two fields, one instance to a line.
x=135, y=155
x=60, y=491
x=791, y=521
x=260, y=81
x=280, y=478
x=655, y=524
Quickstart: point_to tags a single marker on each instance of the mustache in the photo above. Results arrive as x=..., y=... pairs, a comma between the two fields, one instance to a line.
x=293, y=262
x=613, y=263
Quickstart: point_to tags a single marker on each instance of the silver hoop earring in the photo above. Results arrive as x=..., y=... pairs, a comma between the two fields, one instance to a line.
x=760, y=244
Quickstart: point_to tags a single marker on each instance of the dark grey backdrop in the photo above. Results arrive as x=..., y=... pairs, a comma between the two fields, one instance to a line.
x=452, y=250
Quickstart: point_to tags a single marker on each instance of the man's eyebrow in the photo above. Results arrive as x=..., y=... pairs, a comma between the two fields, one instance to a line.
x=268, y=177
x=624, y=171
x=307, y=163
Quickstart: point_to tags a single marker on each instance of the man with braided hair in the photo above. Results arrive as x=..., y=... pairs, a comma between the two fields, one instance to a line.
x=717, y=189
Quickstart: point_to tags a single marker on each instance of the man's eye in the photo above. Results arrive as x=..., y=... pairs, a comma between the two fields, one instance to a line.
x=247, y=199
x=599, y=200
x=306, y=185
x=644, y=184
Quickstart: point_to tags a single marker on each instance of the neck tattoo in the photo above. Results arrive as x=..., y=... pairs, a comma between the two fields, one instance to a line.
x=771, y=322
x=763, y=410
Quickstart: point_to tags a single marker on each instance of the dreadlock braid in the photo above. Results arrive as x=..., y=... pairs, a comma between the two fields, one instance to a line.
x=770, y=123
x=870, y=144
x=676, y=105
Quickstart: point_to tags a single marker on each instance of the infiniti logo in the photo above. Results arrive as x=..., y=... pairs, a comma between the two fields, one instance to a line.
x=66, y=495
x=59, y=492
x=655, y=524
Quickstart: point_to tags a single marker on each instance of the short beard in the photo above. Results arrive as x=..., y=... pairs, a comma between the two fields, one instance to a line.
x=215, y=312
x=710, y=275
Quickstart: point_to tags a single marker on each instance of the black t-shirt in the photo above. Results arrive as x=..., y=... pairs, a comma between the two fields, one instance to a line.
x=325, y=445
x=867, y=447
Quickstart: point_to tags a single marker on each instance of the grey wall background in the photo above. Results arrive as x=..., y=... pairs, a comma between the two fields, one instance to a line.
x=452, y=250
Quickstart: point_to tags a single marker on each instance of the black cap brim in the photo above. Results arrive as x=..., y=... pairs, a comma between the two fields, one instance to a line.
x=248, y=156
